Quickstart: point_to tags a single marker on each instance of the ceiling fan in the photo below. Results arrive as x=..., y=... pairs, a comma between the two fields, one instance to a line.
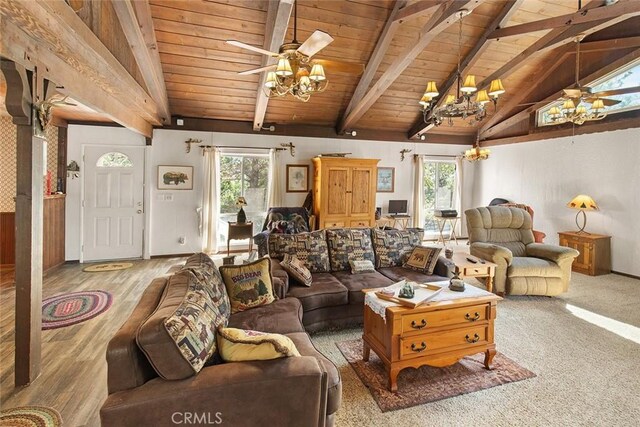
x=296, y=72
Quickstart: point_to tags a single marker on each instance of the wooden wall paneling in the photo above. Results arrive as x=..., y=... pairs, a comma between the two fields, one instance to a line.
x=7, y=238
x=53, y=231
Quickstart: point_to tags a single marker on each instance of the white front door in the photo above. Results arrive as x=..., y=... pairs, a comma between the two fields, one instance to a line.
x=112, y=202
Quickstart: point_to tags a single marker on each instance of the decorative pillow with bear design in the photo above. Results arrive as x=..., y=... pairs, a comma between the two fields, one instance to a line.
x=310, y=248
x=248, y=285
x=423, y=259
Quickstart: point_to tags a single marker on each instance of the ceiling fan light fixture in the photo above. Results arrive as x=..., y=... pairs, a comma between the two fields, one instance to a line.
x=469, y=85
x=581, y=109
x=284, y=68
x=568, y=105
x=432, y=90
x=271, y=81
x=317, y=73
x=555, y=112
x=482, y=97
x=598, y=104
x=496, y=89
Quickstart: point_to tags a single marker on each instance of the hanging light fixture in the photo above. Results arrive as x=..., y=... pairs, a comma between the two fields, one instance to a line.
x=460, y=105
x=476, y=153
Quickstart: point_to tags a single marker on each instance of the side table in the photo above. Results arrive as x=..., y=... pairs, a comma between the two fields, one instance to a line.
x=467, y=268
x=595, y=251
x=240, y=231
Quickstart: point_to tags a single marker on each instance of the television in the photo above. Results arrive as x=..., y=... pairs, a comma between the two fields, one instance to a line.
x=397, y=207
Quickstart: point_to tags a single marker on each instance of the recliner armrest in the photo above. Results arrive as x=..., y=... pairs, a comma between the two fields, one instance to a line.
x=550, y=252
x=491, y=252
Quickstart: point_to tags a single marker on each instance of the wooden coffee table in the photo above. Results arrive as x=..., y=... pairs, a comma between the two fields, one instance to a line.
x=438, y=333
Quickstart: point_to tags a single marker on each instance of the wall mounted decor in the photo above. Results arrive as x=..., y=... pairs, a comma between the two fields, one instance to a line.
x=175, y=177
x=297, y=178
x=385, y=182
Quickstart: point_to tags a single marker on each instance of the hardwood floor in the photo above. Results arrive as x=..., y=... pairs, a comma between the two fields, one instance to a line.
x=74, y=371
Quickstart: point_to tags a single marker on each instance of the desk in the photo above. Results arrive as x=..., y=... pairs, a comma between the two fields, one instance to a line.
x=399, y=222
x=469, y=269
x=240, y=231
x=442, y=222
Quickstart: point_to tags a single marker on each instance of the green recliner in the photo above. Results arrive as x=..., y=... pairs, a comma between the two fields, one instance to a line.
x=503, y=235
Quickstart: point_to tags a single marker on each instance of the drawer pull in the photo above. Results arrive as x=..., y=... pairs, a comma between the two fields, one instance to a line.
x=475, y=317
x=422, y=324
x=423, y=347
x=473, y=340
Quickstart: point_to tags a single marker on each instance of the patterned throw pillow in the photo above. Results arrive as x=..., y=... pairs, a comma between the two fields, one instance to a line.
x=238, y=345
x=296, y=269
x=358, y=267
x=392, y=246
x=205, y=270
x=310, y=248
x=423, y=259
x=346, y=244
x=248, y=285
x=179, y=337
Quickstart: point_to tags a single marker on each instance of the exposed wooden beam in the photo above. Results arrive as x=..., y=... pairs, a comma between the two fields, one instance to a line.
x=411, y=11
x=522, y=115
x=442, y=18
x=137, y=25
x=623, y=7
x=278, y=15
x=478, y=49
x=74, y=58
x=611, y=44
x=384, y=40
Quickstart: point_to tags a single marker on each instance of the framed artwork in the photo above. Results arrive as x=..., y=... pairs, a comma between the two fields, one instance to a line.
x=385, y=182
x=175, y=177
x=297, y=178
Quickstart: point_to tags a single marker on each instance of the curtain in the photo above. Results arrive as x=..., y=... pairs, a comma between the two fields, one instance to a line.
x=210, y=201
x=275, y=180
x=418, y=192
x=459, y=188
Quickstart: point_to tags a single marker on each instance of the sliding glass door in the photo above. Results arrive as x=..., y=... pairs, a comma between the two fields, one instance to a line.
x=440, y=192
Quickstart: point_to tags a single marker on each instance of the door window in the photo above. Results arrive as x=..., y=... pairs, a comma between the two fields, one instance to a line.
x=439, y=186
x=114, y=159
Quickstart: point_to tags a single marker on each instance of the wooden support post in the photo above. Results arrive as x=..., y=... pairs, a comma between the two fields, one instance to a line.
x=29, y=222
x=62, y=158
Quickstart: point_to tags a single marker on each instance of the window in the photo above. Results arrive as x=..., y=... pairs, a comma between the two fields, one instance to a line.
x=114, y=160
x=440, y=192
x=243, y=175
x=625, y=77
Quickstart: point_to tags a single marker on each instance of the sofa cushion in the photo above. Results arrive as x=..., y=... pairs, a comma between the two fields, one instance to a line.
x=282, y=316
x=296, y=269
x=179, y=337
x=349, y=244
x=248, y=285
x=310, y=248
x=533, y=267
x=399, y=273
x=240, y=345
x=334, y=383
x=205, y=270
x=423, y=259
x=355, y=283
x=391, y=247
x=325, y=291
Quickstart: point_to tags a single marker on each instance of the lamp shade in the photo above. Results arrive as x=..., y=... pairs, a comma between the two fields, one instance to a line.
x=598, y=104
x=241, y=202
x=271, y=81
x=284, y=68
x=568, y=105
x=425, y=100
x=583, y=202
x=496, y=89
x=581, y=109
x=317, y=73
x=432, y=90
x=482, y=97
x=469, y=85
x=554, y=111
x=450, y=99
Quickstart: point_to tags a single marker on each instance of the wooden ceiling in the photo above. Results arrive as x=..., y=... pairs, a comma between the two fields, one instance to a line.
x=200, y=71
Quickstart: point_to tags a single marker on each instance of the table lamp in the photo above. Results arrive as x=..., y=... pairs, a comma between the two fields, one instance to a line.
x=242, y=217
x=582, y=203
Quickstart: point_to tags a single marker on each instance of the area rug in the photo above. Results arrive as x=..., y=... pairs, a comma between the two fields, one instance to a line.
x=30, y=416
x=112, y=266
x=75, y=307
x=428, y=384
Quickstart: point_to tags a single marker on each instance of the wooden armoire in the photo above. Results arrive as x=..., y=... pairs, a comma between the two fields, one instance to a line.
x=344, y=192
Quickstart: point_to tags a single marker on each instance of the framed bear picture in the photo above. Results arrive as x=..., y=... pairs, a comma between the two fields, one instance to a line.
x=175, y=177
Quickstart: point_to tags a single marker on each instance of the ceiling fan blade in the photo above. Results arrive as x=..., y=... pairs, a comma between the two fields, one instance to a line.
x=617, y=91
x=607, y=102
x=253, y=48
x=331, y=66
x=258, y=70
x=572, y=92
x=314, y=44
x=526, y=104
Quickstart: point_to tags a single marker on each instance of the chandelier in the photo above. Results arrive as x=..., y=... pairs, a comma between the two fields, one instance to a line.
x=460, y=105
x=476, y=154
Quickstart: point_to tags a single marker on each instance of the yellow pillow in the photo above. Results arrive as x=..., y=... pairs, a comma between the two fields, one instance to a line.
x=248, y=285
x=238, y=345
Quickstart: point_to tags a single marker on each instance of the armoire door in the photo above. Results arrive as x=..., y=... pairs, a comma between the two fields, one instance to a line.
x=361, y=184
x=337, y=182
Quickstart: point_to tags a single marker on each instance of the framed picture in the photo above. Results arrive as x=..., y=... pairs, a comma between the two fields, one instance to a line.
x=175, y=177
x=386, y=180
x=297, y=178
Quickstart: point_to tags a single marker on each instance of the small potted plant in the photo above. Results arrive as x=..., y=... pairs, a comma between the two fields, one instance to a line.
x=241, y=203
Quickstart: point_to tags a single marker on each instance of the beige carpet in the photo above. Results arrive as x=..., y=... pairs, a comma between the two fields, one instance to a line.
x=586, y=375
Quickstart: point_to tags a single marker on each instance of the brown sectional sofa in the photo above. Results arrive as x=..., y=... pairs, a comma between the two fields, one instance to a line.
x=295, y=391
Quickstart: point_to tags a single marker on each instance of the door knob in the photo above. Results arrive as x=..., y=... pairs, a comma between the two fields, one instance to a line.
x=139, y=211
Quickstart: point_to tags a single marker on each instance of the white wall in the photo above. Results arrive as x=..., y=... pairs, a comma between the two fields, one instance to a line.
x=548, y=174
x=168, y=220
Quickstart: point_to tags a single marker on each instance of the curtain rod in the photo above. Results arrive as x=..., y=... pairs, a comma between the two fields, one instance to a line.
x=247, y=148
x=449, y=156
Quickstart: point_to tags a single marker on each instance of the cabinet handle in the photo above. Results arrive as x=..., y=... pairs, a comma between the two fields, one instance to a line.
x=473, y=340
x=423, y=347
x=475, y=317
x=422, y=324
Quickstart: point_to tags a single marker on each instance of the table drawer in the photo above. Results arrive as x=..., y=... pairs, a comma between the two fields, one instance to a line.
x=479, y=270
x=434, y=319
x=420, y=345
